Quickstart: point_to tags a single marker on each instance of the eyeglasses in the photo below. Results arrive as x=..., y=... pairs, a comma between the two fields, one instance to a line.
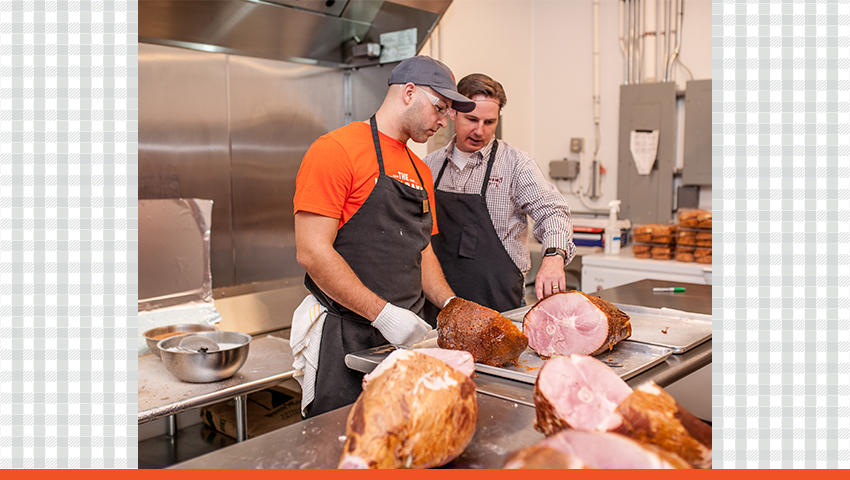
x=442, y=108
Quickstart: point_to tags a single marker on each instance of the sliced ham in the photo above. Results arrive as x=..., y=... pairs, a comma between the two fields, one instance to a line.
x=574, y=322
x=578, y=449
x=414, y=412
x=491, y=338
x=580, y=392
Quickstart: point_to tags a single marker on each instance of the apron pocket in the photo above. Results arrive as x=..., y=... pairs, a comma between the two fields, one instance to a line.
x=468, y=240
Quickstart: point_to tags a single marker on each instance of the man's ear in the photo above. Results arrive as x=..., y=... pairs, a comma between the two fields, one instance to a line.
x=453, y=114
x=407, y=92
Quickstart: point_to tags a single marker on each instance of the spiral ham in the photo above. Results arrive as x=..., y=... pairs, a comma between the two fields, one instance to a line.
x=415, y=412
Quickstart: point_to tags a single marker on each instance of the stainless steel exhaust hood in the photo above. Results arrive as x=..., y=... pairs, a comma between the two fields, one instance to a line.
x=318, y=32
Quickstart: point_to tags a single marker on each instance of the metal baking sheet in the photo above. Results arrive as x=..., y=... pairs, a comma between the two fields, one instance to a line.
x=634, y=357
x=516, y=315
x=674, y=329
x=665, y=327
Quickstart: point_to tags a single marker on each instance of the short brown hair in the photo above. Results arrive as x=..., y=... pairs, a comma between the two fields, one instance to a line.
x=480, y=84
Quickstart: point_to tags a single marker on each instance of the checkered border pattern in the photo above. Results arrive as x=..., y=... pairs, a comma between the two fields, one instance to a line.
x=781, y=195
x=68, y=249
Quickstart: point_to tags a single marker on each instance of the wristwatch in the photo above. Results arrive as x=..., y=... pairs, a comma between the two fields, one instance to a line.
x=555, y=251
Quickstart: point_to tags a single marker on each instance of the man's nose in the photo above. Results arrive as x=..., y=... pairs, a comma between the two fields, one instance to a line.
x=479, y=128
x=443, y=122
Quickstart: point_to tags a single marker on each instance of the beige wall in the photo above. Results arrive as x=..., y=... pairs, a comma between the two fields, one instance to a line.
x=542, y=53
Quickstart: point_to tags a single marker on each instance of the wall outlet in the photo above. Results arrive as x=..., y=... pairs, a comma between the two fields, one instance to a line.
x=576, y=145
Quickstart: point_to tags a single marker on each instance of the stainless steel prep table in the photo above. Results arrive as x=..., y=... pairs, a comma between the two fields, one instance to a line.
x=503, y=427
x=505, y=415
x=162, y=395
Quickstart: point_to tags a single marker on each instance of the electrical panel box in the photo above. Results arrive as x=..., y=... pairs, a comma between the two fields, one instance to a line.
x=697, y=151
x=647, y=106
x=563, y=169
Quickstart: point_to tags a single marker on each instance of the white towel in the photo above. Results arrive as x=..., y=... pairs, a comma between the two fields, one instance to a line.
x=305, y=340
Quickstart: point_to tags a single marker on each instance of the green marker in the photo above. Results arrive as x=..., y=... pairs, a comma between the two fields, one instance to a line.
x=669, y=289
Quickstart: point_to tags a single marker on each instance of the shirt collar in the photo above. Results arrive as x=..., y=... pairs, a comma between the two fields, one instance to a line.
x=477, y=156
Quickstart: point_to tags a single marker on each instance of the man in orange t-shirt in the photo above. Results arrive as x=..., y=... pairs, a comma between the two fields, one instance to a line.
x=364, y=208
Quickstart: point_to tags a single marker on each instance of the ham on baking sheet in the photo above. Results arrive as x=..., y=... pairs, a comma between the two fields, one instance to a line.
x=574, y=322
x=491, y=338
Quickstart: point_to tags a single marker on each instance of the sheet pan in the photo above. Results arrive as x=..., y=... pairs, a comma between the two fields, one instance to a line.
x=633, y=357
x=674, y=329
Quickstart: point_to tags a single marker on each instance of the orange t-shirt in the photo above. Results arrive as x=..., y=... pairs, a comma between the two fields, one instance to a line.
x=340, y=169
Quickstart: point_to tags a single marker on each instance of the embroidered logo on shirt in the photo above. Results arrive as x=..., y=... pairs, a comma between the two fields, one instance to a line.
x=495, y=181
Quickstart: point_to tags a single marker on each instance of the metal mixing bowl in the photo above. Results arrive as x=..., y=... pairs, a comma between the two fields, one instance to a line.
x=186, y=328
x=195, y=367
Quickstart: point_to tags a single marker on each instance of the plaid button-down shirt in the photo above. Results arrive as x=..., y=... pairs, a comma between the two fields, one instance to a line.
x=518, y=190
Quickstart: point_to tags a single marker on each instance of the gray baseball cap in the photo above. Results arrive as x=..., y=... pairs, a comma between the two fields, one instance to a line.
x=424, y=70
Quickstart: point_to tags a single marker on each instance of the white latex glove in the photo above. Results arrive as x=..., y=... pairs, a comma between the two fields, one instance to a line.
x=401, y=326
x=447, y=301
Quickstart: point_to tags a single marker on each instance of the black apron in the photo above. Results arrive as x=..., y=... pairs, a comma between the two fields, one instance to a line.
x=382, y=243
x=474, y=261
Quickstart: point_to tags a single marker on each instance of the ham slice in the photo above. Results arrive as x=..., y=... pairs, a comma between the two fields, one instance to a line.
x=578, y=449
x=415, y=412
x=574, y=322
x=491, y=338
x=580, y=392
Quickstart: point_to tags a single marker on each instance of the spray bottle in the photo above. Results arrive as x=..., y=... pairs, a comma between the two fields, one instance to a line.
x=612, y=233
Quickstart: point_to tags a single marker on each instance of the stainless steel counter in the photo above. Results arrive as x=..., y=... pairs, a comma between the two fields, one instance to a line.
x=503, y=427
x=161, y=394
x=505, y=416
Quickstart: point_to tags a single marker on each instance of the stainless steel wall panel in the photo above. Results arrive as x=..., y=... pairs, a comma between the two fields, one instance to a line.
x=368, y=89
x=184, y=146
x=234, y=130
x=277, y=110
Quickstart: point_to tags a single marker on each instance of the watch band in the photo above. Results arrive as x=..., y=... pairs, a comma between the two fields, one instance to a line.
x=555, y=251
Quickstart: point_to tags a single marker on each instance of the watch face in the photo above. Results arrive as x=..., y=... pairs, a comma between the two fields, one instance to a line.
x=551, y=251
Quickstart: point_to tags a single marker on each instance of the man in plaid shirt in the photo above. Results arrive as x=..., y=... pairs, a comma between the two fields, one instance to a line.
x=482, y=245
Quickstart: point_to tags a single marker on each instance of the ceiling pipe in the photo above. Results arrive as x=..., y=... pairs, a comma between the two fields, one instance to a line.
x=623, y=44
x=641, y=32
x=631, y=32
x=596, y=99
x=650, y=33
x=666, y=56
x=675, y=53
